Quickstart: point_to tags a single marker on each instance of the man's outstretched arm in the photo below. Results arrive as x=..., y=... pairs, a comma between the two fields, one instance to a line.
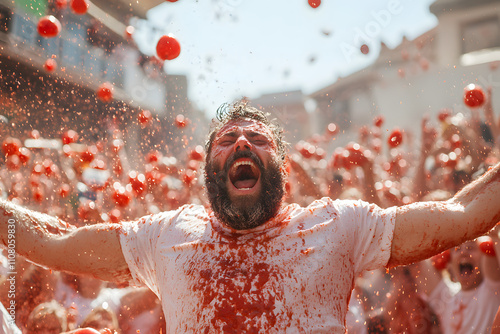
x=94, y=250
x=427, y=228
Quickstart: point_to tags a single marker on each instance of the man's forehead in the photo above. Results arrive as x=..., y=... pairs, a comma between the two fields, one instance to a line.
x=245, y=125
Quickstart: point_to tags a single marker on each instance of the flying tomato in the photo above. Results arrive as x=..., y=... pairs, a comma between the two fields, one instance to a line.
x=48, y=26
x=473, y=96
x=80, y=7
x=168, y=48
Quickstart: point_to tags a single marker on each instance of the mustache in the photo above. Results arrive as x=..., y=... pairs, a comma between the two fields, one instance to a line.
x=242, y=154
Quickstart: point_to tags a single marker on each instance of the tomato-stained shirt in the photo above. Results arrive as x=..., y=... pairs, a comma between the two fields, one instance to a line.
x=293, y=274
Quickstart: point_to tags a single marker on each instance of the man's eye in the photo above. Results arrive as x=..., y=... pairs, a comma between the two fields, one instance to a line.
x=260, y=141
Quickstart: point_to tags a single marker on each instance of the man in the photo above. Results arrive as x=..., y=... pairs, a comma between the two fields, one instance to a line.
x=250, y=264
x=471, y=308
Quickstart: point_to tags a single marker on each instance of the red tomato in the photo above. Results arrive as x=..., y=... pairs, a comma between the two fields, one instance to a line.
x=314, y=3
x=188, y=176
x=48, y=26
x=38, y=195
x=61, y=4
x=153, y=156
x=332, y=129
x=444, y=114
x=80, y=7
x=64, y=190
x=50, y=65
x=145, y=117
x=168, y=48
x=121, y=196
x=355, y=156
x=197, y=153
x=440, y=261
x=487, y=246
x=364, y=49
x=395, y=138
x=89, y=154
x=24, y=155
x=473, y=96
x=452, y=160
x=105, y=92
x=137, y=181
x=181, y=121
x=378, y=121
x=106, y=331
x=10, y=146
x=69, y=137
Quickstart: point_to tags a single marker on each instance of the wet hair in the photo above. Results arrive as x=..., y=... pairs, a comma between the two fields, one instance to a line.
x=241, y=110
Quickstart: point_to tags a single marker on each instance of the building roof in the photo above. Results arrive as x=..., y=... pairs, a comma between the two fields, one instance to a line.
x=281, y=98
x=121, y=9
x=440, y=7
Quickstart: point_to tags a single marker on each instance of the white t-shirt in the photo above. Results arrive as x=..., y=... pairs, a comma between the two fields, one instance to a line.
x=69, y=298
x=472, y=311
x=293, y=274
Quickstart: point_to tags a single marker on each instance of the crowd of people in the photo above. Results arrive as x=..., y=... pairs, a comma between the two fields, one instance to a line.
x=85, y=182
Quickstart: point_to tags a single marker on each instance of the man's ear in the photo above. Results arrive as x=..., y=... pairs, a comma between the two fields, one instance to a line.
x=286, y=168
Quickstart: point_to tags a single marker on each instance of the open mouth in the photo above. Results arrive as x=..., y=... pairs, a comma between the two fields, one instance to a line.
x=465, y=268
x=244, y=174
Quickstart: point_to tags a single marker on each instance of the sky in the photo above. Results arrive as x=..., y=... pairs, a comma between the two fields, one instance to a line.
x=236, y=48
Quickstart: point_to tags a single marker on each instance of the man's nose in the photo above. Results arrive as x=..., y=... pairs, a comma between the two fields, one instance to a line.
x=242, y=143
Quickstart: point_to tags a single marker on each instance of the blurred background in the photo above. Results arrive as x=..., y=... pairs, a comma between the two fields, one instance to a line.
x=340, y=62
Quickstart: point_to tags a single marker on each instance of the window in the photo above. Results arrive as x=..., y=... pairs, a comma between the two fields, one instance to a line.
x=5, y=19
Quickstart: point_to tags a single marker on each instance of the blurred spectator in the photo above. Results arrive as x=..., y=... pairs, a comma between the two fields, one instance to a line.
x=47, y=318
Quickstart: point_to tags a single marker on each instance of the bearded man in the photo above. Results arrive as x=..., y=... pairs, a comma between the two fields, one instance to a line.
x=249, y=263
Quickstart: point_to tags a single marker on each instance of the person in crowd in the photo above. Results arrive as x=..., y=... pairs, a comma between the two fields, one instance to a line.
x=48, y=318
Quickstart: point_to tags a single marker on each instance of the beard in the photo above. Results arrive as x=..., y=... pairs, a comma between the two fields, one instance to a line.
x=242, y=216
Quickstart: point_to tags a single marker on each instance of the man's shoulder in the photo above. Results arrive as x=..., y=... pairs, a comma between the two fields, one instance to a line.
x=171, y=217
x=187, y=212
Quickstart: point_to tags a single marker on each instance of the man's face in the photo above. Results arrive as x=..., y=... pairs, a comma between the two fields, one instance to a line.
x=465, y=263
x=244, y=174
